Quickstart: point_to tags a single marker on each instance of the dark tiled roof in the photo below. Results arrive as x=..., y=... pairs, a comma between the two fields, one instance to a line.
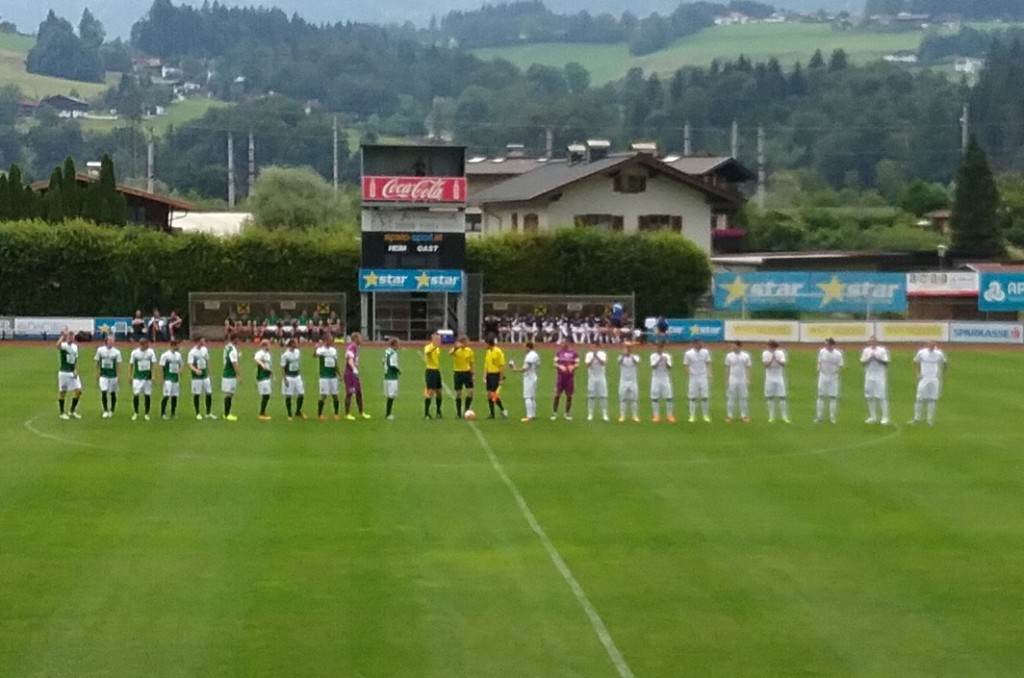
x=554, y=176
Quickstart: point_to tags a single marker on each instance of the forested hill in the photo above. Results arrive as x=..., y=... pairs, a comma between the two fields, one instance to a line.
x=119, y=15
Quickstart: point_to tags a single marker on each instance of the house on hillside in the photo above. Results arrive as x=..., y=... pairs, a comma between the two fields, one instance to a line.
x=629, y=192
x=144, y=208
x=66, y=106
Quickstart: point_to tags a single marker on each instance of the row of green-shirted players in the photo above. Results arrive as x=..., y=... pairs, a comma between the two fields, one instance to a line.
x=142, y=362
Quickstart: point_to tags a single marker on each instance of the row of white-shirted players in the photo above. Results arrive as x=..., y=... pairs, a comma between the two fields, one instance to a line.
x=930, y=363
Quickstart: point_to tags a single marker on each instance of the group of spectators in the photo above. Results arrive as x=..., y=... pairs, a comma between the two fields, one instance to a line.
x=610, y=328
x=156, y=327
x=281, y=326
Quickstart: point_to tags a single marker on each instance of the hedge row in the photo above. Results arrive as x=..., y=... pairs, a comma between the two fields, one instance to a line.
x=77, y=268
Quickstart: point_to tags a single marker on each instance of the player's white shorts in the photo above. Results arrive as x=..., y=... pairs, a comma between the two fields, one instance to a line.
x=661, y=389
x=172, y=389
x=142, y=386
x=828, y=387
x=597, y=388
x=329, y=387
x=109, y=385
x=264, y=387
x=875, y=387
x=775, y=388
x=628, y=390
x=698, y=388
x=530, y=388
x=200, y=386
x=66, y=381
x=228, y=386
x=737, y=389
x=390, y=388
x=293, y=386
x=928, y=389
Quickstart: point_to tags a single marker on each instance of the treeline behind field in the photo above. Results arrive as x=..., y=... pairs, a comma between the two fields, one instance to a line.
x=81, y=269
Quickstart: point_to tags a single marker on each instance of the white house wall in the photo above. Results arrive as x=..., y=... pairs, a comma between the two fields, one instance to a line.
x=596, y=196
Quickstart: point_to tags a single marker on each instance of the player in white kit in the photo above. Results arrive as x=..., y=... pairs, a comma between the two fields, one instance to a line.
x=737, y=392
x=629, y=384
x=930, y=365
x=529, y=370
x=67, y=377
x=875, y=360
x=774, y=360
x=661, y=384
x=697, y=361
x=830, y=364
x=292, y=385
x=596, y=361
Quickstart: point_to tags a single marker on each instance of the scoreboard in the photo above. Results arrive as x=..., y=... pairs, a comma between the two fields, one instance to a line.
x=407, y=250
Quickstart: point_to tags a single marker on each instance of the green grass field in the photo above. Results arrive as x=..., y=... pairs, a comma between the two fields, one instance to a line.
x=13, y=48
x=377, y=548
x=176, y=114
x=788, y=43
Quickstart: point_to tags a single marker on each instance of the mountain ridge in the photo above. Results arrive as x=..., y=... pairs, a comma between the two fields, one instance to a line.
x=119, y=15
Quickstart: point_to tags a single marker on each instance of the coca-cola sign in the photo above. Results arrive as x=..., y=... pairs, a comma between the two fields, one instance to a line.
x=414, y=189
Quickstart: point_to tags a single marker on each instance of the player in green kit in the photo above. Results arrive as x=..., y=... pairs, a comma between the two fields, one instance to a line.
x=170, y=363
x=291, y=382
x=199, y=366
x=330, y=371
x=230, y=377
x=108, y=359
x=67, y=377
x=141, y=362
x=391, y=373
x=264, y=377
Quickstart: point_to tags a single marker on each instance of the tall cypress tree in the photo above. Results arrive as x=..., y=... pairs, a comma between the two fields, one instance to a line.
x=71, y=192
x=114, y=207
x=974, y=225
x=53, y=201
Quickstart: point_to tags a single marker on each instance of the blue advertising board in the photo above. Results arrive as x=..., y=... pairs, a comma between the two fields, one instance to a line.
x=1001, y=292
x=685, y=329
x=403, y=280
x=120, y=327
x=850, y=292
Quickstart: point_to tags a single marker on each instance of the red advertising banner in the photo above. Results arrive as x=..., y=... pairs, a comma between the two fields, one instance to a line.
x=414, y=189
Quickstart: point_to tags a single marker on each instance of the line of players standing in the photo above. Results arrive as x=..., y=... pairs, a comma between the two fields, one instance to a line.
x=143, y=363
x=334, y=370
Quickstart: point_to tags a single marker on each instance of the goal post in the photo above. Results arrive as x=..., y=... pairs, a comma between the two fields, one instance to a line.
x=208, y=311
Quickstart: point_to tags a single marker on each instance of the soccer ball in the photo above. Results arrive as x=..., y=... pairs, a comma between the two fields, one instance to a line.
x=470, y=415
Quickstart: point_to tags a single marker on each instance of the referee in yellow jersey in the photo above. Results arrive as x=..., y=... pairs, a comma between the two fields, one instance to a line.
x=462, y=358
x=432, y=357
x=494, y=374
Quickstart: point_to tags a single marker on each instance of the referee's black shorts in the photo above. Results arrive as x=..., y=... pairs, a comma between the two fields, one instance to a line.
x=493, y=381
x=433, y=380
x=463, y=380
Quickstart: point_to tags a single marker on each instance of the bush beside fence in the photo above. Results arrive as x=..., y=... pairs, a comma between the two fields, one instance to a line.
x=79, y=269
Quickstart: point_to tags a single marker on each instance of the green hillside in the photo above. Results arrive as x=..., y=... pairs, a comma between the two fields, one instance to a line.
x=13, y=48
x=789, y=43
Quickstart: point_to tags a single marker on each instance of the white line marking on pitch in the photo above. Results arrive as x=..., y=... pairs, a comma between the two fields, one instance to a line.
x=30, y=425
x=556, y=558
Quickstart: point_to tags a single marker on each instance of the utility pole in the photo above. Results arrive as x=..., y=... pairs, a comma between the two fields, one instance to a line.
x=549, y=142
x=334, y=157
x=231, y=171
x=965, y=128
x=252, y=162
x=687, y=140
x=150, y=160
x=761, y=175
x=735, y=145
